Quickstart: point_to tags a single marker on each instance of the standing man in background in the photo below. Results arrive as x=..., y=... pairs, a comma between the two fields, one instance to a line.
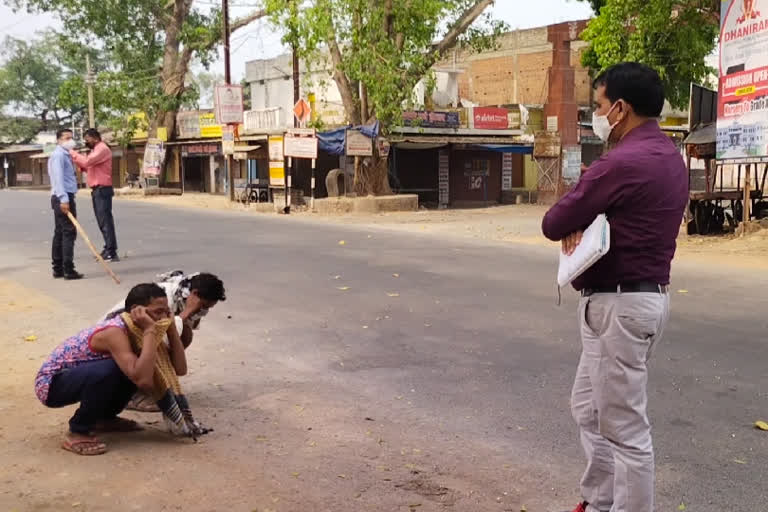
x=63, y=189
x=98, y=165
x=642, y=186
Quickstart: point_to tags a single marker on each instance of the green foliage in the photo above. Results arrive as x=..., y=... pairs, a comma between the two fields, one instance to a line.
x=384, y=47
x=31, y=80
x=18, y=130
x=671, y=36
x=141, y=51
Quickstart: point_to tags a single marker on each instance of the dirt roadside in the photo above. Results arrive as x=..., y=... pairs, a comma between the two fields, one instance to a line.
x=278, y=447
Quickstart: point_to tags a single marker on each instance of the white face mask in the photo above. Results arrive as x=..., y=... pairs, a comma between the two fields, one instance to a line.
x=602, y=126
x=69, y=144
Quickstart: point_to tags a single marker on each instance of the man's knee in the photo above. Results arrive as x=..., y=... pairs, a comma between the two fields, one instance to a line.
x=631, y=432
x=107, y=373
x=583, y=411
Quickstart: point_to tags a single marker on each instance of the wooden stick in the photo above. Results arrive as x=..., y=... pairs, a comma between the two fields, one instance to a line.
x=91, y=247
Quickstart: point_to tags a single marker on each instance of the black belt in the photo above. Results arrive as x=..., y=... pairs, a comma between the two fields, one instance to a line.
x=641, y=287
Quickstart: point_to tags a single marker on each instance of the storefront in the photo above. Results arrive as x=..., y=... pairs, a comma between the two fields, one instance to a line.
x=202, y=167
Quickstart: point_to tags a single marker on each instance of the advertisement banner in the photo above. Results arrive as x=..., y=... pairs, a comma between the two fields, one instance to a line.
x=229, y=104
x=489, y=118
x=154, y=155
x=742, y=117
x=425, y=119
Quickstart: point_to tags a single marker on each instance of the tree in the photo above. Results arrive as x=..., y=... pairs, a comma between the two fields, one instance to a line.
x=18, y=130
x=31, y=80
x=672, y=36
x=149, y=45
x=378, y=51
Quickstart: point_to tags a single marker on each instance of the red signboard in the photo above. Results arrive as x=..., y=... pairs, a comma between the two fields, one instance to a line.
x=490, y=118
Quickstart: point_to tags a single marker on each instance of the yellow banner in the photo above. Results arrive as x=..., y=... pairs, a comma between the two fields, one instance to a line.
x=209, y=128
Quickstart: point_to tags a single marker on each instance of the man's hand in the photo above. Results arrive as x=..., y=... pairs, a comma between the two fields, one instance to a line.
x=64, y=208
x=142, y=319
x=193, y=305
x=571, y=242
x=584, y=168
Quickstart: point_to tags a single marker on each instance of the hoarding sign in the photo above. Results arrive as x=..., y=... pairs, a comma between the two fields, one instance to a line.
x=154, y=155
x=424, y=119
x=742, y=117
x=358, y=144
x=301, y=143
x=489, y=118
x=229, y=104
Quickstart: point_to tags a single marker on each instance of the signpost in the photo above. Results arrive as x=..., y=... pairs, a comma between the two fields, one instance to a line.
x=302, y=111
x=358, y=144
x=300, y=143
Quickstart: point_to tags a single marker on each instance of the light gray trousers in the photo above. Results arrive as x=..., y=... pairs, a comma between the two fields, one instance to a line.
x=618, y=333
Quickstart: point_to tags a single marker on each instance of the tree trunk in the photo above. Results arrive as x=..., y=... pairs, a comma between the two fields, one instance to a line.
x=372, y=177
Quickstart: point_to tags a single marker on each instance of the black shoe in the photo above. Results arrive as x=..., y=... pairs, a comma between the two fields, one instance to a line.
x=73, y=276
x=58, y=274
x=112, y=257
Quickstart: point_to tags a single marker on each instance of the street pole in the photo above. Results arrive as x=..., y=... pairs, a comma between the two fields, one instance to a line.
x=228, y=81
x=89, y=82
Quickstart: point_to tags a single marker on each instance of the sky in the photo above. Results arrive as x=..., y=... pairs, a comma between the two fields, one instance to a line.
x=258, y=41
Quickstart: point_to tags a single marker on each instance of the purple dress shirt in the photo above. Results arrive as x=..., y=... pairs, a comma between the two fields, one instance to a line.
x=642, y=186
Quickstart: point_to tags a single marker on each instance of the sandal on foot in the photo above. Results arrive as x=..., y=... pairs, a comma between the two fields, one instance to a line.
x=84, y=446
x=141, y=403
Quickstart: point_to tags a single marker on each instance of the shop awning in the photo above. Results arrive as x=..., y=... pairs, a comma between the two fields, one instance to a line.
x=520, y=149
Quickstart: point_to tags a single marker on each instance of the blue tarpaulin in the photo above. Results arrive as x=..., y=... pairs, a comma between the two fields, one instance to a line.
x=334, y=141
x=506, y=148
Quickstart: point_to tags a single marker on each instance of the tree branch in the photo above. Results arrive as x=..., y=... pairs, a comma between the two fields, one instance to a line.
x=345, y=88
x=461, y=25
x=438, y=50
x=246, y=20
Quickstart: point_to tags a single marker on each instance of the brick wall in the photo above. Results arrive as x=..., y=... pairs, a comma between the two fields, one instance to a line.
x=517, y=72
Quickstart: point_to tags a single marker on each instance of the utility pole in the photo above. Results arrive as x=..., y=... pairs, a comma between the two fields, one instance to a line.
x=89, y=82
x=228, y=81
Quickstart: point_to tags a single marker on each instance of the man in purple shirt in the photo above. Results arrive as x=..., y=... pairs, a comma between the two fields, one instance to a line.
x=642, y=186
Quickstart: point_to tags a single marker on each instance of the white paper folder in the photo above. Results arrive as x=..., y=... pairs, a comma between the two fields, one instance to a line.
x=595, y=244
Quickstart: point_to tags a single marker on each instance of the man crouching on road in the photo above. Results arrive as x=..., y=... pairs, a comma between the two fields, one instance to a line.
x=98, y=369
x=642, y=187
x=190, y=298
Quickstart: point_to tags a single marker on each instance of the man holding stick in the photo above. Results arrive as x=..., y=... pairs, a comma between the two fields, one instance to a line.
x=63, y=180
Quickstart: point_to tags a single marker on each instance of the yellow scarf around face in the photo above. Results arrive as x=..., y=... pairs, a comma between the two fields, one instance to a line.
x=164, y=377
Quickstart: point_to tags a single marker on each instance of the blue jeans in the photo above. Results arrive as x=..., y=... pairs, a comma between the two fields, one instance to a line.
x=101, y=389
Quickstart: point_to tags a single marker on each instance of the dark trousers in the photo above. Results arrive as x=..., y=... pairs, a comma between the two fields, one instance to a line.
x=101, y=389
x=64, y=234
x=102, y=208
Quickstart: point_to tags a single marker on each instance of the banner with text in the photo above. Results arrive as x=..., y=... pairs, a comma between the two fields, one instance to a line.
x=742, y=118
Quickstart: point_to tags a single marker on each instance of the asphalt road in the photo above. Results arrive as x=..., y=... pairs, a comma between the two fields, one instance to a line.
x=465, y=352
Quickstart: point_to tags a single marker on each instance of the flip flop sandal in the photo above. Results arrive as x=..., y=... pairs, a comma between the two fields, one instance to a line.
x=86, y=447
x=142, y=404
